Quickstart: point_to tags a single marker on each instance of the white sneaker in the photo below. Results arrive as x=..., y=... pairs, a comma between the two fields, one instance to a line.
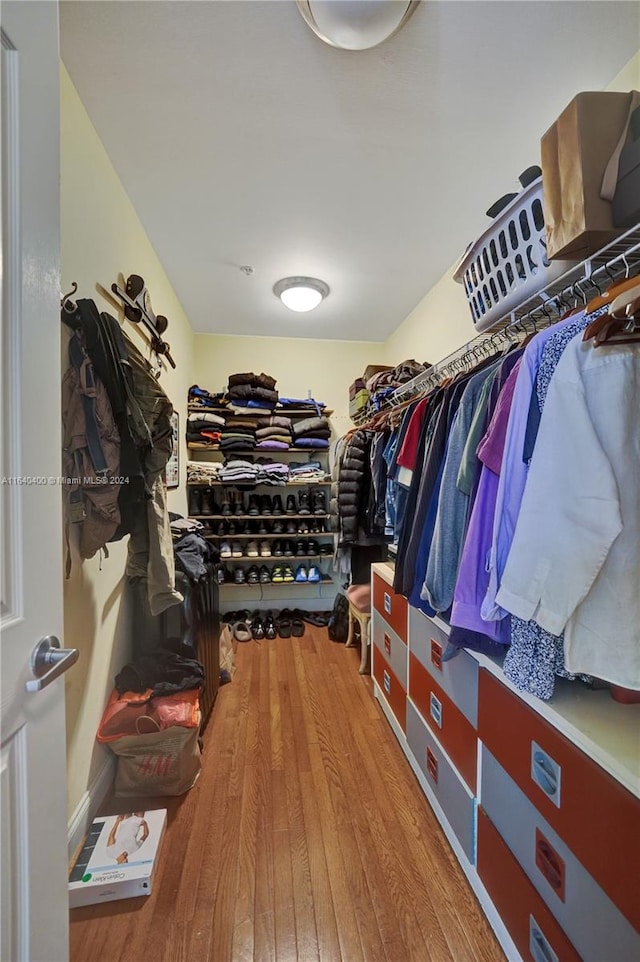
x=225, y=550
x=236, y=550
x=265, y=549
x=252, y=549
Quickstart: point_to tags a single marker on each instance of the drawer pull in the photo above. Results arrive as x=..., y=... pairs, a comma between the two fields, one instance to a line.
x=432, y=765
x=386, y=682
x=387, y=643
x=550, y=864
x=387, y=603
x=436, y=654
x=540, y=949
x=435, y=709
x=546, y=773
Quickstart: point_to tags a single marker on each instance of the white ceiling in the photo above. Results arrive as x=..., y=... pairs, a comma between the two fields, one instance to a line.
x=241, y=138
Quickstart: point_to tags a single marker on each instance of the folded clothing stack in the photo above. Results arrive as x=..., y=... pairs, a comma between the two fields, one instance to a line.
x=311, y=433
x=204, y=427
x=239, y=472
x=272, y=472
x=306, y=472
x=384, y=383
x=238, y=434
x=252, y=393
x=203, y=471
x=200, y=398
x=301, y=404
x=274, y=433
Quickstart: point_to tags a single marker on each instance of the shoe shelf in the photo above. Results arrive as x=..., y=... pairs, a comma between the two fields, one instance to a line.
x=282, y=535
x=275, y=584
x=270, y=558
x=258, y=517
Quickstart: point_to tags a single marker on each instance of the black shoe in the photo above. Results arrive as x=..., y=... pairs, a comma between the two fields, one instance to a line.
x=288, y=549
x=263, y=527
x=319, y=501
x=221, y=574
x=266, y=506
x=326, y=549
x=264, y=575
x=291, y=504
x=253, y=576
x=277, y=549
x=257, y=627
x=269, y=626
x=303, y=502
x=239, y=508
x=226, y=506
x=278, y=527
x=277, y=505
x=303, y=528
x=291, y=527
x=232, y=527
x=254, y=505
x=206, y=497
x=222, y=528
x=195, y=501
x=238, y=576
x=313, y=547
x=301, y=549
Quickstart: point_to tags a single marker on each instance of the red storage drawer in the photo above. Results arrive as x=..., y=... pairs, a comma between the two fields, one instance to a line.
x=597, y=818
x=529, y=922
x=390, y=606
x=453, y=730
x=391, y=687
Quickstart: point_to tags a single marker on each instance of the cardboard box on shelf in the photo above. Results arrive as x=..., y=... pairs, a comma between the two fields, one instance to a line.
x=118, y=859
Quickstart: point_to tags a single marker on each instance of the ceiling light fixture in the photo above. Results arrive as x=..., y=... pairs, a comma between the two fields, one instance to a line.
x=300, y=293
x=355, y=24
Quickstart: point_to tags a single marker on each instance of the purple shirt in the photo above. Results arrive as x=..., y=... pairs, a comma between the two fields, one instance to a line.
x=473, y=574
x=513, y=474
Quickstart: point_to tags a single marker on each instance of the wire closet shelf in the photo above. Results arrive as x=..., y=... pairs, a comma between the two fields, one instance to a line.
x=594, y=274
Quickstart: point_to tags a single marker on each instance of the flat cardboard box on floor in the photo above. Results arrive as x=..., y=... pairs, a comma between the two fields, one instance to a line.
x=118, y=859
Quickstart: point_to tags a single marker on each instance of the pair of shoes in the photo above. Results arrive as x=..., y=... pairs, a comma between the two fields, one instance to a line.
x=257, y=626
x=270, y=631
x=303, y=527
x=282, y=573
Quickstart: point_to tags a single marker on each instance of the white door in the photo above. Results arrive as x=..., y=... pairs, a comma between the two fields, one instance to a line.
x=34, y=919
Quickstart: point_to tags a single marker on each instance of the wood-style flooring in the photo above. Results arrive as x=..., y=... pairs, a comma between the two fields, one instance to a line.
x=306, y=838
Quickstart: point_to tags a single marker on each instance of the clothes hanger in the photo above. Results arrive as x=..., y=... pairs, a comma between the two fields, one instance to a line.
x=616, y=294
x=618, y=287
x=621, y=302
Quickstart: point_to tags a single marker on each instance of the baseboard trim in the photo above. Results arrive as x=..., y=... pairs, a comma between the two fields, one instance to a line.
x=87, y=809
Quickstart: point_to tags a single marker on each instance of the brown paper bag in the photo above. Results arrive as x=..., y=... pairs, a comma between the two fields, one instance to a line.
x=576, y=151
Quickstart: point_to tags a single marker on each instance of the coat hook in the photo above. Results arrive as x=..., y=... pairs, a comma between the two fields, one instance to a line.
x=66, y=303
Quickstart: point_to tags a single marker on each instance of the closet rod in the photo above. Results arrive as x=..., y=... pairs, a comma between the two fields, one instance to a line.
x=620, y=257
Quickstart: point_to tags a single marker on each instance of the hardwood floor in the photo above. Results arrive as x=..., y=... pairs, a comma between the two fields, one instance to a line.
x=305, y=839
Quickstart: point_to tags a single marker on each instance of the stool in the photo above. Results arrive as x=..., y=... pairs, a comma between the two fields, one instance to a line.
x=359, y=598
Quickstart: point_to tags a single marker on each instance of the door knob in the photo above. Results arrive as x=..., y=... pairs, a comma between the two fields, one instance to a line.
x=49, y=661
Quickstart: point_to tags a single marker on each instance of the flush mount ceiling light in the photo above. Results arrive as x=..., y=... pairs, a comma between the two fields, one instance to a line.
x=355, y=24
x=300, y=293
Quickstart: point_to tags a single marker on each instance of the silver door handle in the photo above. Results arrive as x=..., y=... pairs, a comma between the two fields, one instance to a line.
x=49, y=661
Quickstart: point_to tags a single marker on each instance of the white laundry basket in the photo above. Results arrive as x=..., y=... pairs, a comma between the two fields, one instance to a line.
x=508, y=263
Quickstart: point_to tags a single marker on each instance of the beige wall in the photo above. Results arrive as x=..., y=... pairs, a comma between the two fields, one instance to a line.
x=101, y=237
x=300, y=365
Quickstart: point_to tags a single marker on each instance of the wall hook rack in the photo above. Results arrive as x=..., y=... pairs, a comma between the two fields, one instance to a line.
x=137, y=309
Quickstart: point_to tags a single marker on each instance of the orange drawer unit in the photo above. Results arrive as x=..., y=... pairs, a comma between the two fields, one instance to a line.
x=391, y=688
x=392, y=607
x=531, y=925
x=453, y=730
x=596, y=816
